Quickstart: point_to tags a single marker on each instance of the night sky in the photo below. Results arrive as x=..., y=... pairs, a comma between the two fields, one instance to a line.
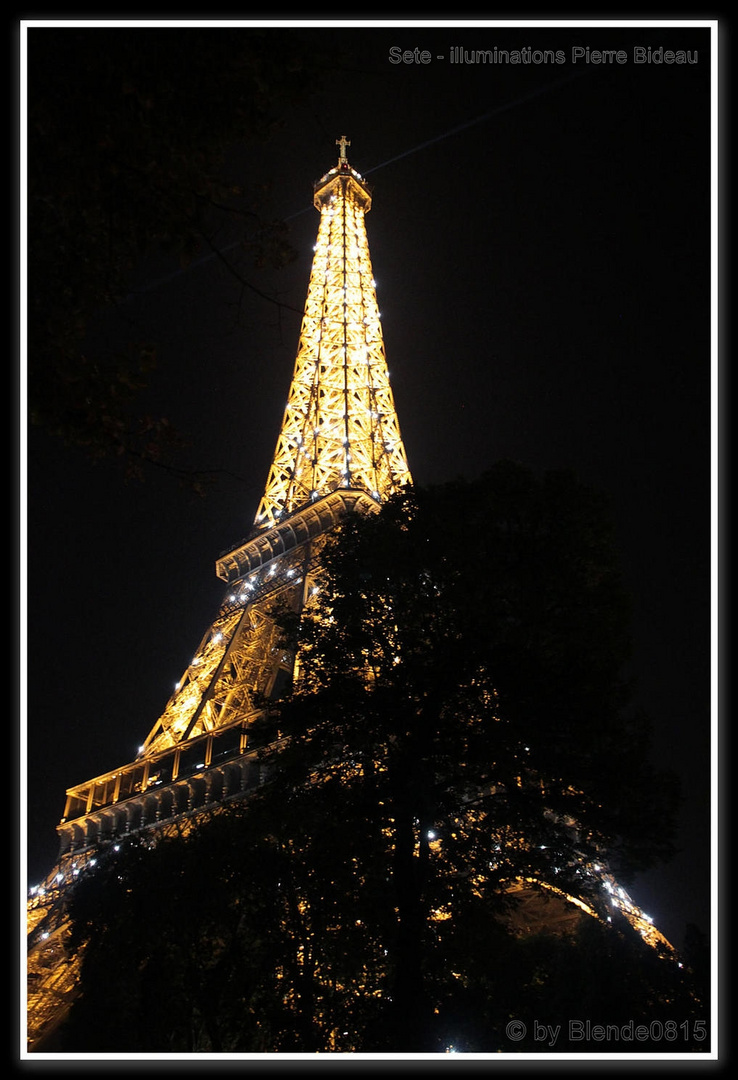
x=540, y=238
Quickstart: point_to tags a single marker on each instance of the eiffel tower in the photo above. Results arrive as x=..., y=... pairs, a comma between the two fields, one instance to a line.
x=339, y=451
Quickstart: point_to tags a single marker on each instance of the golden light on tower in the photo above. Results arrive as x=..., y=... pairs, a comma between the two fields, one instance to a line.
x=339, y=450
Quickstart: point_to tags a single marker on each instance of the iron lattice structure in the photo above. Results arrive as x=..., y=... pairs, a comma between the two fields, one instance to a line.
x=339, y=449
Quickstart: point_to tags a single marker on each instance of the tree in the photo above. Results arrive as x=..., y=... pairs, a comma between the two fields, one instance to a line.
x=128, y=132
x=462, y=679
x=181, y=945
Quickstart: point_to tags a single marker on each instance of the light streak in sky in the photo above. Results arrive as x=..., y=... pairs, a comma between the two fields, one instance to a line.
x=506, y=107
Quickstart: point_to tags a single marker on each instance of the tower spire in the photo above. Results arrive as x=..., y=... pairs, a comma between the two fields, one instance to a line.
x=340, y=427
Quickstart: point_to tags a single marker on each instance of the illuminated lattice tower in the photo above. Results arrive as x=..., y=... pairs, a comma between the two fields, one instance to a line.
x=339, y=450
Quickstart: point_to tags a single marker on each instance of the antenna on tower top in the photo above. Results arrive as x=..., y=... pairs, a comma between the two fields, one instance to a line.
x=343, y=142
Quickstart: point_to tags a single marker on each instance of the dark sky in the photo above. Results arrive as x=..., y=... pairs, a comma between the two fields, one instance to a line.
x=540, y=237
